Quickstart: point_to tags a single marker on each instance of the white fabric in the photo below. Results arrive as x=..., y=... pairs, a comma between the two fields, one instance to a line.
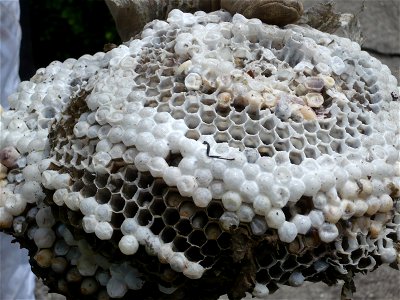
x=10, y=41
x=17, y=282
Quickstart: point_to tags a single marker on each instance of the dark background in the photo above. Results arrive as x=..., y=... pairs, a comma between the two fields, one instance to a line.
x=60, y=29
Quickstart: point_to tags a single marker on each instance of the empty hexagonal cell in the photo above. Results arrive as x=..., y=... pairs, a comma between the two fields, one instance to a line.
x=215, y=209
x=101, y=180
x=199, y=219
x=290, y=263
x=267, y=137
x=117, y=219
x=263, y=254
x=337, y=132
x=193, y=254
x=117, y=202
x=192, y=105
x=157, y=206
x=130, y=209
x=282, y=145
x=207, y=114
x=311, y=138
x=251, y=141
x=193, y=134
x=297, y=142
x=158, y=187
x=224, y=240
x=207, y=129
x=192, y=121
x=177, y=99
x=144, y=217
x=180, y=244
x=183, y=227
x=89, y=190
x=210, y=248
x=164, y=107
x=282, y=131
x=197, y=238
x=157, y=225
x=337, y=146
x=275, y=271
x=266, y=151
x=311, y=152
x=171, y=216
x=238, y=117
x=237, y=132
x=311, y=126
x=324, y=148
x=353, y=142
x=168, y=234
x=306, y=258
x=130, y=174
x=173, y=198
x=88, y=178
x=128, y=190
x=236, y=144
x=296, y=157
x=178, y=114
x=187, y=209
x=222, y=137
x=262, y=276
x=212, y=231
x=143, y=198
x=103, y=195
x=222, y=123
x=145, y=180
x=269, y=122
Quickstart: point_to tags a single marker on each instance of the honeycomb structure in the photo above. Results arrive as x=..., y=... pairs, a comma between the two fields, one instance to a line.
x=211, y=148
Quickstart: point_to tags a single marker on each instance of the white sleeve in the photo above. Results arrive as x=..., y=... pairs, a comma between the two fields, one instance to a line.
x=10, y=41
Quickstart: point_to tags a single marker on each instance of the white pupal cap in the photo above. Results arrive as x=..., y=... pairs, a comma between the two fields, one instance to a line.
x=287, y=232
x=128, y=245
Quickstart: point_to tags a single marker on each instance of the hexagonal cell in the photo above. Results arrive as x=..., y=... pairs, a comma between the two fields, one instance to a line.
x=89, y=190
x=311, y=138
x=130, y=174
x=266, y=151
x=236, y=144
x=144, y=217
x=187, y=209
x=193, y=134
x=210, y=248
x=128, y=190
x=212, y=231
x=276, y=271
x=178, y=114
x=143, y=198
x=282, y=131
x=145, y=180
x=197, y=238
x=199, y=219
x=215, y=209
x=237, y=132
x=337, y=132
x=224, y=240
x=88, y=178
x=207, y=129
x=337, y=146
x=192, y=121
x=167, y=234
x=305, y=259
x=267, y=137
x=130, y=209
x=101, y=180
x=311, y=152
x=296, y=157
x=222, y=137
x=177, y=99
x=103, y=195
x=353, y=142
x=117, y=219
x=183, y=227
x=269, y=123
x=290, y=263
x=252, y=141
x=207, y=114
x=297, y=142
x=193, y=254
x=262, y=276
x=117, y=202
x=282, y=145
x=311, y=126
x=157, y=225
x=157, y=206
x=263, y=254
x=324, y=148
x=171, y=216
x=180, y=244
x=173, y=198
x=222, y=123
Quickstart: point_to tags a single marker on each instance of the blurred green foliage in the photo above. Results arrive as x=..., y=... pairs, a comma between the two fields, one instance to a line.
x=69, y=28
